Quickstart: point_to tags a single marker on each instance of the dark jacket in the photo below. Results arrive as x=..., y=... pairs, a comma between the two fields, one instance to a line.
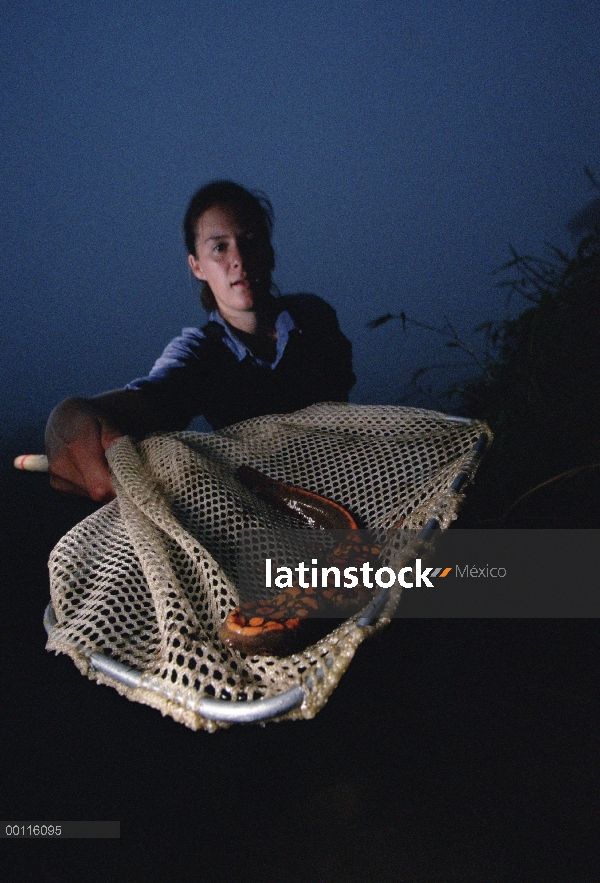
x=206, y=372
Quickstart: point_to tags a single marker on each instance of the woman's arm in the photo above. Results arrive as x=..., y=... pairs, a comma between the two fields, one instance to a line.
x=80, y=430
x=77, y=436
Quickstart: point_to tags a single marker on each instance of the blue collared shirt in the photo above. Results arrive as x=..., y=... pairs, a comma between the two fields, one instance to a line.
x=283, y=325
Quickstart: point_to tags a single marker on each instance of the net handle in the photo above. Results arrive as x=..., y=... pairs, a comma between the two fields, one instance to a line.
x=31, y=462
x=39, y=462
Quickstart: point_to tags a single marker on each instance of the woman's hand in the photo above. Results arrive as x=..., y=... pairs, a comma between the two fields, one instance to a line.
x=77, y=438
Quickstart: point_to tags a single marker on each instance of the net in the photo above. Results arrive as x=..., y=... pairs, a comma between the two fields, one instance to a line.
x=140, y=588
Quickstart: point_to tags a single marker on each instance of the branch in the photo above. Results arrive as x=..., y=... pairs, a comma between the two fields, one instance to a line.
x=568, y=474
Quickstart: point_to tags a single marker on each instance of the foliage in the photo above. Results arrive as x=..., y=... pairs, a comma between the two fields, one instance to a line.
x=541, y=388
x=538, y=387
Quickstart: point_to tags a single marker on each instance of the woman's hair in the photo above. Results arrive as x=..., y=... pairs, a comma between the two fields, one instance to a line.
x=251, y=208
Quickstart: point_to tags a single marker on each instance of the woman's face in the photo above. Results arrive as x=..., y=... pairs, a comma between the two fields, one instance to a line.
x=233, y=259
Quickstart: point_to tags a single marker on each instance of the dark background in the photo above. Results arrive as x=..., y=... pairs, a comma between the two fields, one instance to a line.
x=452, y=750
x=403, y=146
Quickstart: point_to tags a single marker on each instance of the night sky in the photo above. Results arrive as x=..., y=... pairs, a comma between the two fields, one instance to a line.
x=403, y=146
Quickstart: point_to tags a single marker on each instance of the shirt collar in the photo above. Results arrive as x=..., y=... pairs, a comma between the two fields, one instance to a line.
x=283, y=325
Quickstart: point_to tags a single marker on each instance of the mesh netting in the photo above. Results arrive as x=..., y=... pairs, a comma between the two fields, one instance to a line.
x=145, y=582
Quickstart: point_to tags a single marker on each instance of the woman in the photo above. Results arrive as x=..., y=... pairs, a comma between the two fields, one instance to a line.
x=258, y=354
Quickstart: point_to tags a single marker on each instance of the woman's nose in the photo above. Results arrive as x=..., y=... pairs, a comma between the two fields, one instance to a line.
x=236, y=256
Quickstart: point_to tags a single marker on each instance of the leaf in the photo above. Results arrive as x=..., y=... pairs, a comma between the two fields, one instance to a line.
x=381, y=320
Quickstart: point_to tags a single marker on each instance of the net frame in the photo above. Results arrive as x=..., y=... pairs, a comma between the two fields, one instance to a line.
x=141, y=586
